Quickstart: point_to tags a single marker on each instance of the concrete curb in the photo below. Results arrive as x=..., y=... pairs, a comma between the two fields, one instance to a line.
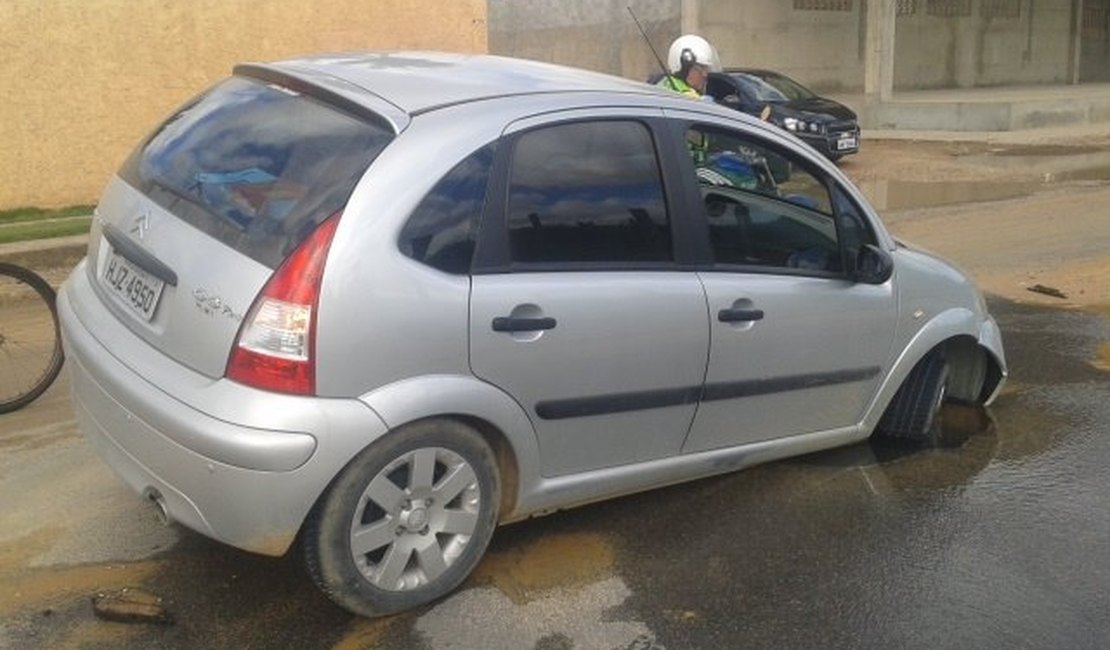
x=1055, y=135
x=40, y=254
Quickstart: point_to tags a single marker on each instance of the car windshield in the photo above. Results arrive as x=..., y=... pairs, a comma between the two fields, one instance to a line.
x=254, y=165
x=771, y=87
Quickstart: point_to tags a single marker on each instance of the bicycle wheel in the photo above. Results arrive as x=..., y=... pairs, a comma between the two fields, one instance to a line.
x=30, y=344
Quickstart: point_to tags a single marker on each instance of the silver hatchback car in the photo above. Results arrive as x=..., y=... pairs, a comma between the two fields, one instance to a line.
x=381, y=303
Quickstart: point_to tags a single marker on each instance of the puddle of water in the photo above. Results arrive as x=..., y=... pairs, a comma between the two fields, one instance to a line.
x=365, y=633
x=1102, y=359
x=524, y=572
x=38, y=589
x=1088, y=174
x=959, y=424
x=885, y=194
x=1044, y=150
x=897, y=195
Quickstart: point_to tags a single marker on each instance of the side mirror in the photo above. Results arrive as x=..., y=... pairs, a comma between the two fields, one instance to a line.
x=731, y=100
x=873, y=265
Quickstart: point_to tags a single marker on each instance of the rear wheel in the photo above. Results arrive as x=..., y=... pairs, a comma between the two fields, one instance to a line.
x=914, y=413
x=406, y=521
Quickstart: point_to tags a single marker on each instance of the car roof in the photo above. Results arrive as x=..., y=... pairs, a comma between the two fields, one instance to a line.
x=417, y=82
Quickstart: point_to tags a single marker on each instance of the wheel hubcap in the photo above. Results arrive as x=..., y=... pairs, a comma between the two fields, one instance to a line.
x=415, y=519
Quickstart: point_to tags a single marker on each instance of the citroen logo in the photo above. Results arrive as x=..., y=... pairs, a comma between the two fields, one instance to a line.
x=141, y=225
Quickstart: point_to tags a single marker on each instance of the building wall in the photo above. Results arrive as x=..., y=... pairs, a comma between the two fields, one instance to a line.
x=820, y=43
x=964, y=43
x=593, y=34
x=81, y=81
x=600, y=35
x=938, y=43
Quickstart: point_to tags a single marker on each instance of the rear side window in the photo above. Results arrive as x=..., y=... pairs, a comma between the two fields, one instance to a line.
x=254, y=165
x=587, y=192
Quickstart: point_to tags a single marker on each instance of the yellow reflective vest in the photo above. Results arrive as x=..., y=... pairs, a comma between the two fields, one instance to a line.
x=671, y=82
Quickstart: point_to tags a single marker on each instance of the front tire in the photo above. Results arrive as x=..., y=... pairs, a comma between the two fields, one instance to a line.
x=914, y=413
x=406, y=521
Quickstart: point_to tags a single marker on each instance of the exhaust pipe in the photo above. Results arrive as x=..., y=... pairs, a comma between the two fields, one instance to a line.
x=156, y=498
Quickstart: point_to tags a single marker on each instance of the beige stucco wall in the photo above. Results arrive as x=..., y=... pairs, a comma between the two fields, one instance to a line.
x=81, y=81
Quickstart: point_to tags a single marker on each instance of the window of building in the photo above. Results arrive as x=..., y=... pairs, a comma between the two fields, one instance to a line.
x=822, y=5
x=948, y=8
x=1000, y=8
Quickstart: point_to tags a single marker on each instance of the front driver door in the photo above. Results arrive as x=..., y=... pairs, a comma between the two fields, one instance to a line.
x=797, y=346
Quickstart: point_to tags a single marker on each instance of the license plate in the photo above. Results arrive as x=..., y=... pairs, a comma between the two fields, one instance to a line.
x=846, y=143
x=138, y=290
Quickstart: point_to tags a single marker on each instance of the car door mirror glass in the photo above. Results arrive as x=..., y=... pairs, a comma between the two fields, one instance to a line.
x=874, y=265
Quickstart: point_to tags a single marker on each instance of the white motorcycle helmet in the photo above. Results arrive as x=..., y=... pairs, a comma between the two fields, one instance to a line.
x=691, y=49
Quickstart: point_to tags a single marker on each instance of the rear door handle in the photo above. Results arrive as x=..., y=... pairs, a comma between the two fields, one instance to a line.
x=510, y=324
x=739, y=315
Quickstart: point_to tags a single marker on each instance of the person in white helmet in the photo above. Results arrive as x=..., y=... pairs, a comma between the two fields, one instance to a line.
x=690, y=60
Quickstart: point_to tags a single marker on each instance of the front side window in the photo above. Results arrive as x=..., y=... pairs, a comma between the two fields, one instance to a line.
x=587, y=192
x=763, y=208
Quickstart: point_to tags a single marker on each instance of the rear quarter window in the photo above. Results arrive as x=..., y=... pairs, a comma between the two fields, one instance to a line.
x=255, y=165
x=441, y=231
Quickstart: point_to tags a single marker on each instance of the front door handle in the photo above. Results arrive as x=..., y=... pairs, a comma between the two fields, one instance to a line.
x=511, y=324
x=739, y=315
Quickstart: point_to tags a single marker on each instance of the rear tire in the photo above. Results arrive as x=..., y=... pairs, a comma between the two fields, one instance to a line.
x=406, y=521
x=914, y=413
x=30, y=342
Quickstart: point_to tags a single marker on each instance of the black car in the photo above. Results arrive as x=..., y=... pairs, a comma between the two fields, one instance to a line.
x=826, y=125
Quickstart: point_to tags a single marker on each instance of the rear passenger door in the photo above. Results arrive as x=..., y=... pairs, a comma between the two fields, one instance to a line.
x=579, y=306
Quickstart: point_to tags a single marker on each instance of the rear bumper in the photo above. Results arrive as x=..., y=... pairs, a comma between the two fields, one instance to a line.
x=239, y=465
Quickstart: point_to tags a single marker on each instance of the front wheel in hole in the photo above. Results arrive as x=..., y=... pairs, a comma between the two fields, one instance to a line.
x=914, y=413
x=407, y=520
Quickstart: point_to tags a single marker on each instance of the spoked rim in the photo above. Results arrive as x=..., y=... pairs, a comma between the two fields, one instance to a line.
x=415, y=519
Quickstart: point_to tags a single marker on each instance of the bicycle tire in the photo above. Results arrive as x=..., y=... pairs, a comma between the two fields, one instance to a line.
x=38, y=358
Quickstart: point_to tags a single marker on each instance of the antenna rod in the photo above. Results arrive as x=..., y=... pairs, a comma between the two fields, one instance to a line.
x=666, y=74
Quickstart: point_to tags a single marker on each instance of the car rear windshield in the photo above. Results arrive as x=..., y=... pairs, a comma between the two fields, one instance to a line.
x=255, y=165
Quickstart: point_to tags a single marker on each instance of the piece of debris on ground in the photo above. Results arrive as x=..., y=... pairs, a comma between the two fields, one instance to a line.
x=130, y=605
x=1046, y=290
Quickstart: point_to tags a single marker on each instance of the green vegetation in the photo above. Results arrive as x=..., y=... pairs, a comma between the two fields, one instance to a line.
x=23, y=224
x=19, y=215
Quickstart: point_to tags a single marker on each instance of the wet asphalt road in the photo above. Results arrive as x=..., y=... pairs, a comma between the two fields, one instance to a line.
x=1001, y=539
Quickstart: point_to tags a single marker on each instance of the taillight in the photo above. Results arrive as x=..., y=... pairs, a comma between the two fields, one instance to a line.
x=276, y=346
